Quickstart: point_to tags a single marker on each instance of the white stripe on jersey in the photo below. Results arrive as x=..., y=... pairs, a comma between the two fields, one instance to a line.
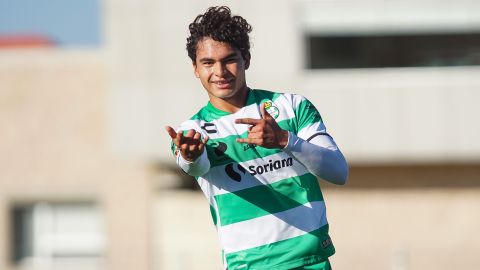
x=273, y=228
x=307, y=133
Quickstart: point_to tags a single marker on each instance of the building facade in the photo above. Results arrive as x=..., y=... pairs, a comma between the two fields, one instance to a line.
x=87, y=180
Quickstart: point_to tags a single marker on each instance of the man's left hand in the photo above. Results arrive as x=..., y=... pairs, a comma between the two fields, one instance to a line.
x=264, y=132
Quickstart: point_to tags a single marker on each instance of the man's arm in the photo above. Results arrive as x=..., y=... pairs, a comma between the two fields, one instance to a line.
x=320, y=155
x=190, y=151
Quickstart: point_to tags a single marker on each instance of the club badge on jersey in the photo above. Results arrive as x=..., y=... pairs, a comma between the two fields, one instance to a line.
x=272, y=109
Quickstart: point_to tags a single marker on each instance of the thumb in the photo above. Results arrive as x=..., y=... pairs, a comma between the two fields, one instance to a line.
x=171, y=132
x=265, y=114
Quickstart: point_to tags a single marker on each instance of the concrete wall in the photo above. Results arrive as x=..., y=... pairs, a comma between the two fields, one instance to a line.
x=54, y=147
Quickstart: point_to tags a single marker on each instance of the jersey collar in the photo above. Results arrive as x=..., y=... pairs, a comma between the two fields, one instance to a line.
x=250, y=100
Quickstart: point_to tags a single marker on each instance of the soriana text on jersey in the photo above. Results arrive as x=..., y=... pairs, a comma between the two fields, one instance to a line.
x=270, y=166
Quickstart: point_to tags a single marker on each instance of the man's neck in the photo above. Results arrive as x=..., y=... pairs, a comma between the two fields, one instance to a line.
x=233, y=104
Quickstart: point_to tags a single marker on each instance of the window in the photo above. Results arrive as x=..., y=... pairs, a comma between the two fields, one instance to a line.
x=399, y=50
x=50, y=234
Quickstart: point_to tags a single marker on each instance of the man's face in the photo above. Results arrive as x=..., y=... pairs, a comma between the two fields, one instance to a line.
x=221, y=69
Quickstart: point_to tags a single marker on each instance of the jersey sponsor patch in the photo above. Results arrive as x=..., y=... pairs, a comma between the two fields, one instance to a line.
x=249, y=146
x=270, y=166
x=209, y=128
x=233, y=174
x=220, y=148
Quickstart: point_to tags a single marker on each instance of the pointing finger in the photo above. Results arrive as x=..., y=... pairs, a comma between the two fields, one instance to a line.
x=257, y=141
x=248, y=121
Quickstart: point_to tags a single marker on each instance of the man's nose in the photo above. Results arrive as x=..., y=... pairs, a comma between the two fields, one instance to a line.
x=219, y=69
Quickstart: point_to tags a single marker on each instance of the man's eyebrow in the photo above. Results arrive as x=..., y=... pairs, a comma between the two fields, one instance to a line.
x=232, y=55
x=208, y=59
x=205, y=59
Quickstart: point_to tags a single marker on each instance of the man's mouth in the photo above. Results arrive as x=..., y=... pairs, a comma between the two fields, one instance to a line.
x=223, y=84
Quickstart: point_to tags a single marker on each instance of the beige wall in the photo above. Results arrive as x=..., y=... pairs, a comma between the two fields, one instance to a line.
x=377, y=229
x=399, y=229
x=54, y=146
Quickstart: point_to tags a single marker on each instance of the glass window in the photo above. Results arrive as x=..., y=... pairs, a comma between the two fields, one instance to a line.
x=400, y=50
x=47, y=233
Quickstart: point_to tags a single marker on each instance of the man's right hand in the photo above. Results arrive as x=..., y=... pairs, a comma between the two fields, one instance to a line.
x=190, y=145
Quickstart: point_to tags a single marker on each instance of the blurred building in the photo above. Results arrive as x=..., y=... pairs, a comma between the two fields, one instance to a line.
x=87, y=180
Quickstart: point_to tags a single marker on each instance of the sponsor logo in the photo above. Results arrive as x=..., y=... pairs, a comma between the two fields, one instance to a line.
x=327, y=242
x=220, y=148
x=232, y=173
x=270, y=166
x=272, y=109
x=248, y=146
x=209, y=128
x=314, y=114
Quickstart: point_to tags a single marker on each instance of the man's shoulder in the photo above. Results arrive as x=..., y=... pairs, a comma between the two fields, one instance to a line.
x=285, y=98
x=267, y=94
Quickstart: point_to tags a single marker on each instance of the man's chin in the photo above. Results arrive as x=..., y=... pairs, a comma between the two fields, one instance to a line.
x=224, y=93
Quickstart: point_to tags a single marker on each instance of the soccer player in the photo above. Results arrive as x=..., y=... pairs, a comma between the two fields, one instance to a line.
x=256, y=155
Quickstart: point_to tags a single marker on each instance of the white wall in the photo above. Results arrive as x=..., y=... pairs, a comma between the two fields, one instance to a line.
x=376, y=115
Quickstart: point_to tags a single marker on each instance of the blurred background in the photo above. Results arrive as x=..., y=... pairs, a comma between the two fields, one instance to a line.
x=87, y=180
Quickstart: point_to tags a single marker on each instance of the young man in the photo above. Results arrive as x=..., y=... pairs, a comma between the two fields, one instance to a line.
x=256, y=155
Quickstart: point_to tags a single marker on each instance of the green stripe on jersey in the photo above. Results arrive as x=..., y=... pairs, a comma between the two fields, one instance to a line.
x=263, y=200
x=309, y=248
x=213, y=212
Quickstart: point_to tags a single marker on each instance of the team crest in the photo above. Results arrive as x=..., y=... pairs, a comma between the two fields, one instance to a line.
x=272, y=109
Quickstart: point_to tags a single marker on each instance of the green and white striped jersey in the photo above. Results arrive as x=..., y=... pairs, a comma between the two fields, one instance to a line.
x=267, y=207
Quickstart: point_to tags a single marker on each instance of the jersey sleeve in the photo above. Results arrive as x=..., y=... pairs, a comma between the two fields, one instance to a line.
x=309, y=123
x=313, y=146
x=307, y=117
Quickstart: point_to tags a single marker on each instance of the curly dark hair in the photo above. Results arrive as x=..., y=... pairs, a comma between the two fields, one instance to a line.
x=219, y=24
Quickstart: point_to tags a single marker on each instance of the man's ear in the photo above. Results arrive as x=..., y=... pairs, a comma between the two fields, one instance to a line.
x=246, y=59
x=194, y=65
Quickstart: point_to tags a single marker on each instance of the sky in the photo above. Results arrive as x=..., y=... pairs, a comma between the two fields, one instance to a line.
x=70, y=23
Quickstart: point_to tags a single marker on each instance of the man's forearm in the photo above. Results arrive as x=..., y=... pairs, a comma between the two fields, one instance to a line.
x=321, y=157
x=198, y=167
